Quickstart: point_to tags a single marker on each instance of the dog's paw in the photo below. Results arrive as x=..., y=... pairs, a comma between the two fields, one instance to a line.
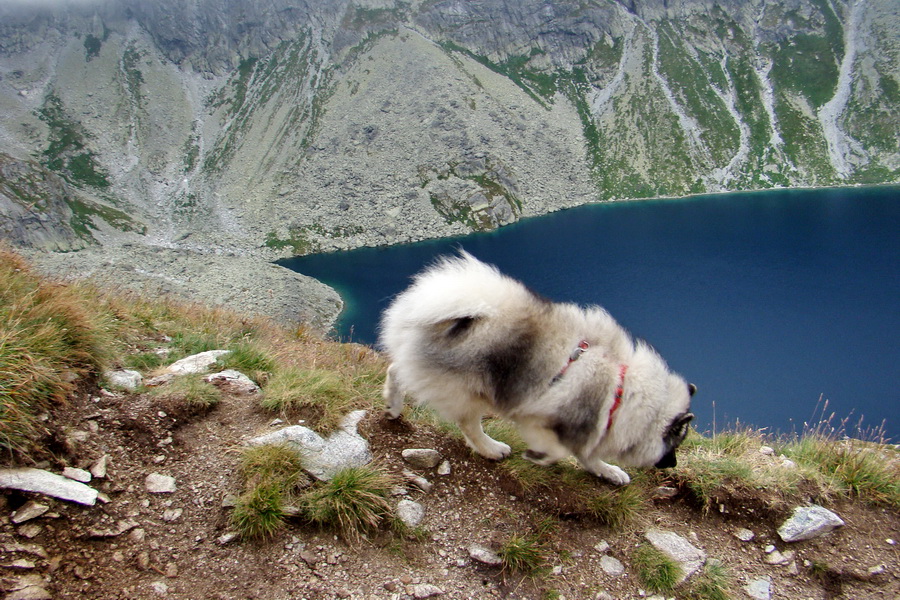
x=538, y=458
x=616, y=475
x=494, y=450
x=611, y=473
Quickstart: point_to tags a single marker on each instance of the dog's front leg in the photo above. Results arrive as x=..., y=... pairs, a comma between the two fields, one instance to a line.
x=393, y=394
x=478, y=440
x=603, y=470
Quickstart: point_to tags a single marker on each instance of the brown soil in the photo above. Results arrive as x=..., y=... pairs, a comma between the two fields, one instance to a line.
x=184, y=558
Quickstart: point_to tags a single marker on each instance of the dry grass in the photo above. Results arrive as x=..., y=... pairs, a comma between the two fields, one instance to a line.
x=49, y=339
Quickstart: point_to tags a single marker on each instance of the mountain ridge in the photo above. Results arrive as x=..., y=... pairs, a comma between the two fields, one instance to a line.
x=283, y=128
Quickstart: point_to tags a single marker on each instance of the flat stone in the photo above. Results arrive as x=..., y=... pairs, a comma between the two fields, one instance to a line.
x=759, y=589
x=411, y=513
x=172, y=514
x=688, y=556
x=156, y=483
x=47, y=483
x=234, y=381
x=197, y=363
x=99, y=468
x=809, y=522
x=426, y=590
x=745, y=535
x=29, y=510
x=418, y=481
x=484, y=556
x=124, y=379
x=323, y=457
x=77, y=474
x=777, y=558
x=612, y=566
x=421, y=458
x=602, y=546
x=32, y=592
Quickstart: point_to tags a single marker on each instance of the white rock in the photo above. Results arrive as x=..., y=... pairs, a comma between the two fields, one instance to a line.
x=77, y=474
x=197, y=363
x=50, y=484
x=418, y=481
x=125, y=379
x=172, y=514
x=759, y=589
x=422, y=458
x=99, y=468
x=612, y=566
x=156, y=483
x=411, y=513
x=808, y=522
x=234, y=381
x=426, y=590
x=160, y=587
x=29, y=510
x=601, y=546
x=322, y=457
x=444, y=468
x=483, y=555
x=766, y=450
x=745, y=535
x=32, y=592
x=689, y=557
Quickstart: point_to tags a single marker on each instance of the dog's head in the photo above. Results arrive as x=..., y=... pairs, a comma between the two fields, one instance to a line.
x=664, y=430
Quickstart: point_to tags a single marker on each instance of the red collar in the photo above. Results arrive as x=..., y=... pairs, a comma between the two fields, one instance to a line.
x=580, y=349
x=617, y=400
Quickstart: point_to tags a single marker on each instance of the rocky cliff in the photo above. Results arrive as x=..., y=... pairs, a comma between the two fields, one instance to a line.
x=282, y=127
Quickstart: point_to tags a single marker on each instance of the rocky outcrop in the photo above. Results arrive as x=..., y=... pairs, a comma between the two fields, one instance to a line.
x=275, y=128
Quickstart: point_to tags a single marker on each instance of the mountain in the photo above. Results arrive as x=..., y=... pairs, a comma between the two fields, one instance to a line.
x=280, y=127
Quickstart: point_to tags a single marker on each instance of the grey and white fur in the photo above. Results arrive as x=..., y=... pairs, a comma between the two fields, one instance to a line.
x=468, y=341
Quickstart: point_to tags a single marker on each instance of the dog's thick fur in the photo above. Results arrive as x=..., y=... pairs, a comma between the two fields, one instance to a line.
x=467, y=340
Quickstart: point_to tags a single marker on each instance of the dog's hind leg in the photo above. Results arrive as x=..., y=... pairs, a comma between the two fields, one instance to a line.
x=543, y=444
x=393, y=394
x=470, y=425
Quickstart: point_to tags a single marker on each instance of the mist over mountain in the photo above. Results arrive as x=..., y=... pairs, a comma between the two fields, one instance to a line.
x=281, y=127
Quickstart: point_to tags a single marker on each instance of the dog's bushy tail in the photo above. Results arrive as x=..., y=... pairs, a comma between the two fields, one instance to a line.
x=460, y=287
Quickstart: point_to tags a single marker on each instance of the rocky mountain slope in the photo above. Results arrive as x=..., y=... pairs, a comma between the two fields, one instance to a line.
x=283, y=127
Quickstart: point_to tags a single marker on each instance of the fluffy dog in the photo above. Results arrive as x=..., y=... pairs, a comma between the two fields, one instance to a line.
x=468, y=341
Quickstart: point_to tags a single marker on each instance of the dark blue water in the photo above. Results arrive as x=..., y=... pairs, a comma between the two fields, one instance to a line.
x=768, y=301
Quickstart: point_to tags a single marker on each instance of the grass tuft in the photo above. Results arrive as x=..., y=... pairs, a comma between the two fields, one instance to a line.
x=190, y=392
x=270, y=474
x=49, y=339
x=713, y=583
x=354, y=502
x=656, y=571
x=250, y=359
x=328, y=395
x=526, y=554
x=259, y=512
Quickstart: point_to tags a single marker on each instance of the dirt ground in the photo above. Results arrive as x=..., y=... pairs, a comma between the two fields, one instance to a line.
x=139, y=545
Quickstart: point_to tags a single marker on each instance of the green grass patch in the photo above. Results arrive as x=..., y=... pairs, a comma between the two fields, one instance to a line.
x=527, y=554
x=355, y=501
x=713, y=583
x=270, y=474
x=249, y=358
x=190, y=393
x=656, y=571
x=324, y=396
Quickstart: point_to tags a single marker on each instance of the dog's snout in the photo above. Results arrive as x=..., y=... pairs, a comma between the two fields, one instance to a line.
x=668, y=461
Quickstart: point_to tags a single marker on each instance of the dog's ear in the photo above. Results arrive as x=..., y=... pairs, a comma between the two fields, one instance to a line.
x=692, y=389
x=678, y=429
